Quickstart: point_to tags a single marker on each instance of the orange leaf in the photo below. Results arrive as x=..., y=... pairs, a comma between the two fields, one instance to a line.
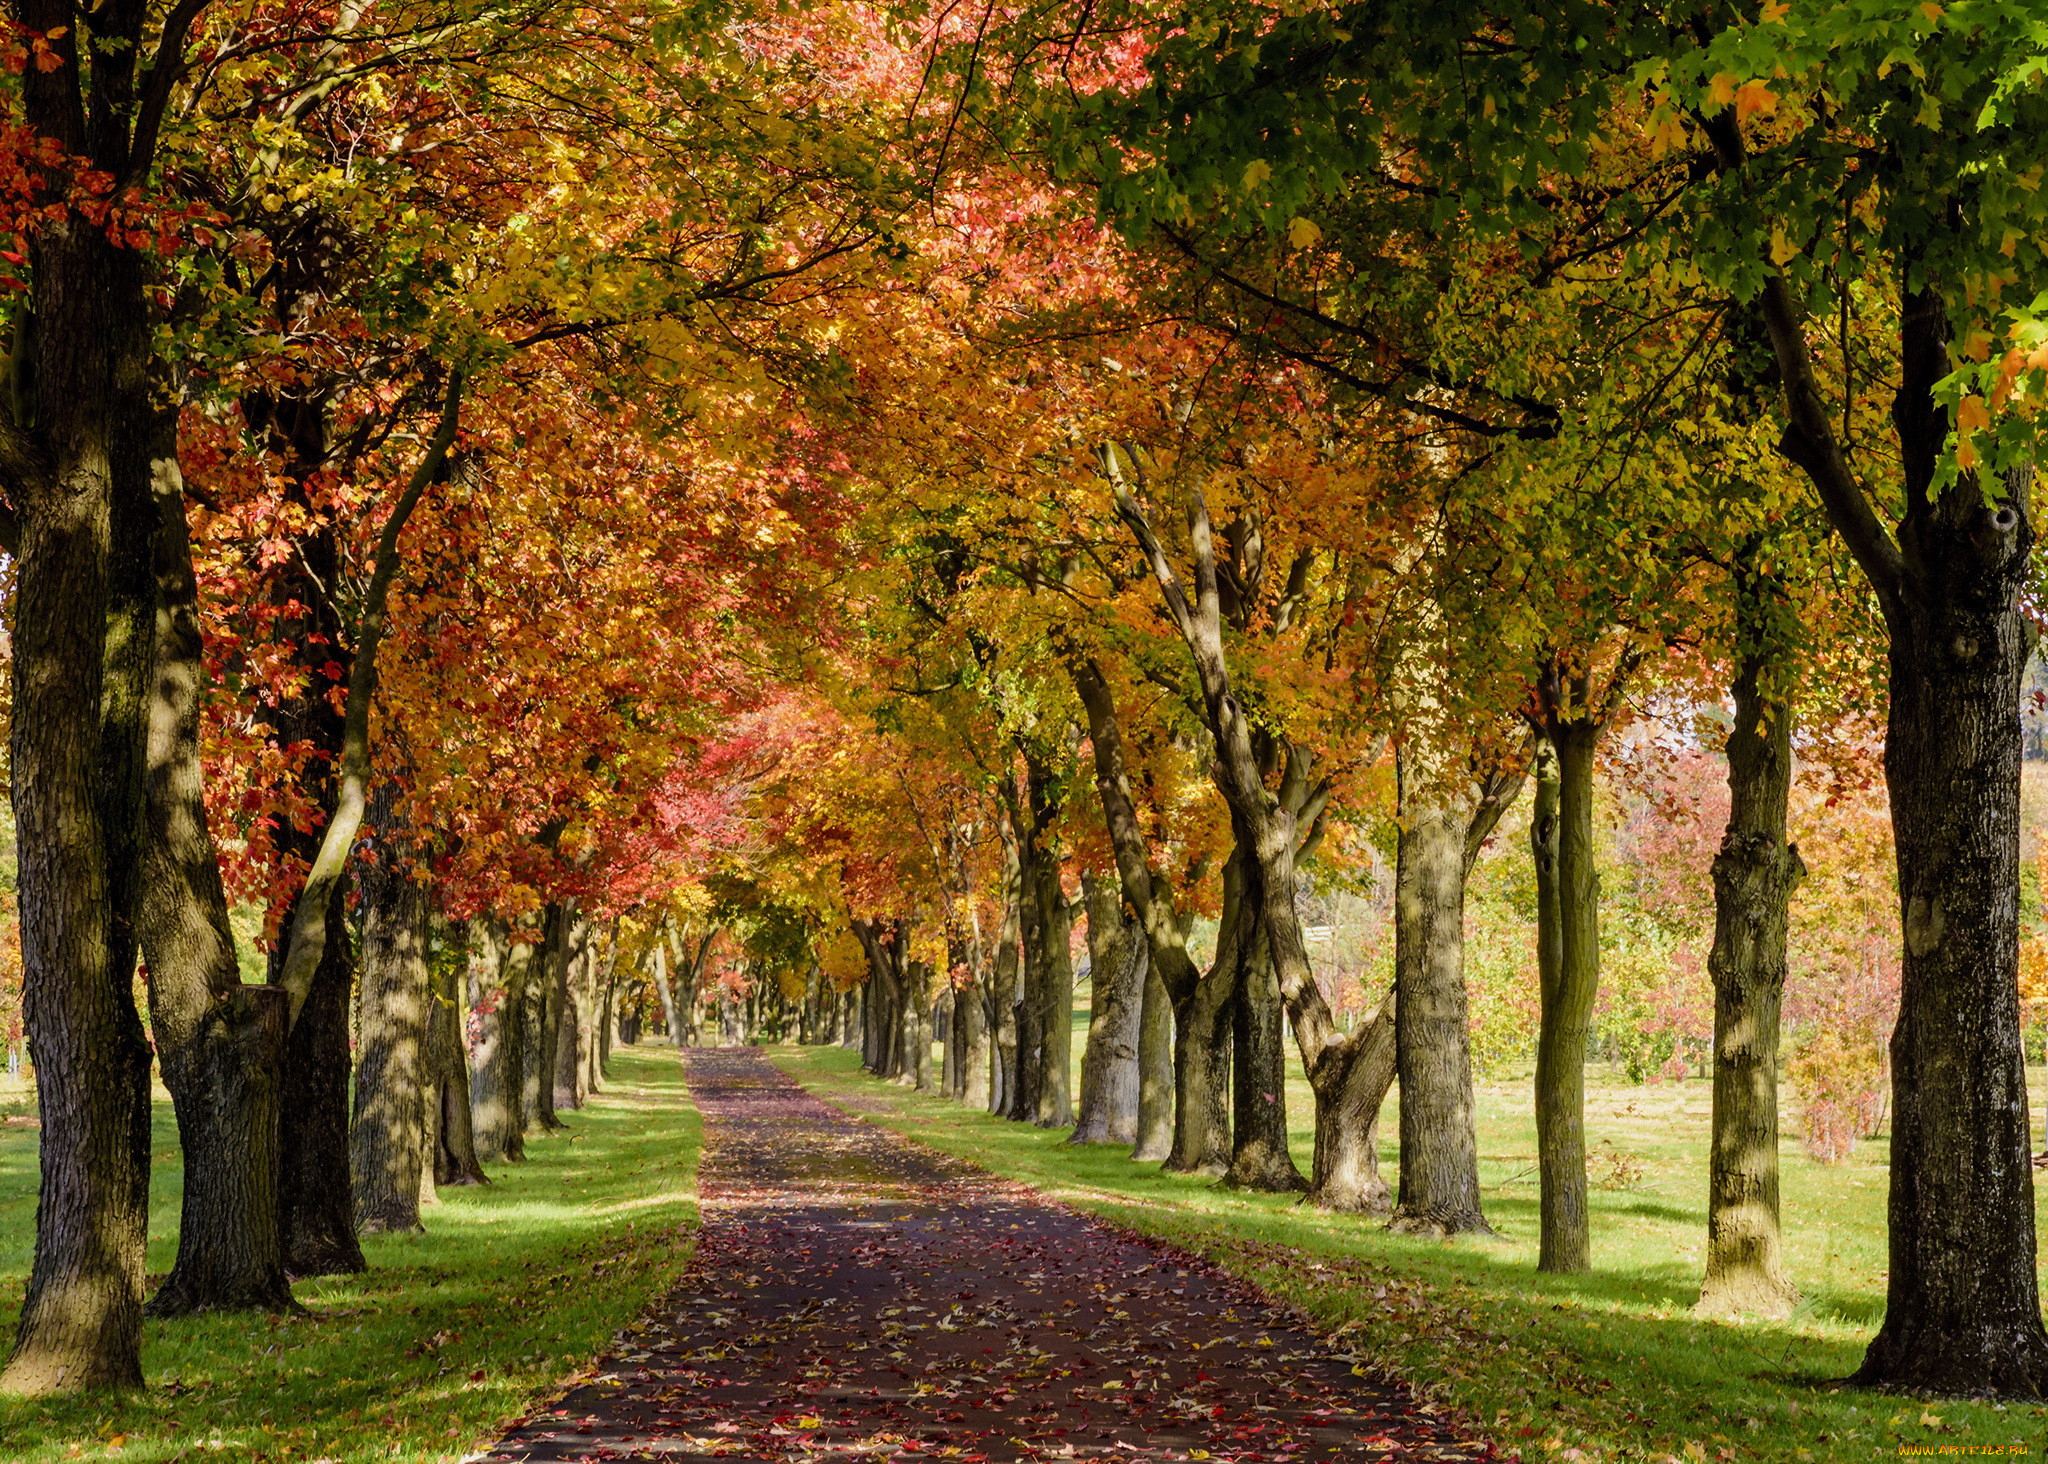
x=1753, y=97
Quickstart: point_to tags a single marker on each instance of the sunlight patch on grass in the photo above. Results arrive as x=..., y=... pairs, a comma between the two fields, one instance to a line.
x=1608, y=1366
x=513, y=1288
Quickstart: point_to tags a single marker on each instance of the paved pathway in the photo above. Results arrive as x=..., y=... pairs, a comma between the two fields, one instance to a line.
x=855, y=1295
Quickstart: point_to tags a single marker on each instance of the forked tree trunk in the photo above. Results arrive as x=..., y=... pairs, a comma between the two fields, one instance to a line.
x=1116, y=984
x=1346, y=1177
x=392, y=1070
x=1442, y=831
x=220, y=1043
x=1155, y=1069
x=1754, y=876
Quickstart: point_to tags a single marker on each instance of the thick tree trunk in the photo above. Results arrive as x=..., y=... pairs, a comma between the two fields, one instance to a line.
x=1963, y=1310
x=1116, y=987
x=1027, y=1078
x=542, y=1048
x=1053, y=1022
x=972, y=1016
x=220, y=1043
x=82, y=634
x=318, y=1193
x=572, y=1001
x=1565, y=1243
x=1203, y=1039
x=1442, y=831
x=455, y=1157
x=1347, y=1160
x=1006, y=978
x=1754, y=875
x=497, y=1110
x=1259, y=1156
x=668, y=1000
x=1201, y=1070
x=392, y=1068
x=1155, y=1069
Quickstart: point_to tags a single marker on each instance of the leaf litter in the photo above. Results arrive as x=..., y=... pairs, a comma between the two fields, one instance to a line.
x=855, y=1296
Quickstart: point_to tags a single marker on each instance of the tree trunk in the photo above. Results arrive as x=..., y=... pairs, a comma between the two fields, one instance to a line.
x=668, y=1000
x=496, y=1097
x=544, y=1008
x=83, y=632
x=1963, y=1311
x=1006, y=978
x=1203, y=1039
x=318, y=1192
x=1754, y=875
x=1442, y=831
x=572, y=1001
x=1116, y=986
x=1155, y=1069
x=1053, y=1021
x=1565, y=1244
x=1259, y=1156
x=221, y=1043
x=392, y=1069
x=1347, y=1160
x=455, y=1158
x=972, y=1016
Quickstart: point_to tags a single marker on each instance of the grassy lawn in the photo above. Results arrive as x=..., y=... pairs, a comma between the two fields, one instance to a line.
x=513, y=1287
x=1606, y=1366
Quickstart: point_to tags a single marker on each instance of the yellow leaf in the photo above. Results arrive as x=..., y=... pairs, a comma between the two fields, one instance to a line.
x=1721, y=90
x=810, y=1420
x=1754, y=97
x=1782, y=248
x=1257, y=171
x=1302, y=233
x=1775, y=11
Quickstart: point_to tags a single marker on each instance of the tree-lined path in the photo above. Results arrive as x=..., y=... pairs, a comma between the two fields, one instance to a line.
x=854, y=1294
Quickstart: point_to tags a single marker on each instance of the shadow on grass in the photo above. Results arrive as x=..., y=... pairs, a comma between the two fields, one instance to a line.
x=1611, y=1364
x=512, y=1286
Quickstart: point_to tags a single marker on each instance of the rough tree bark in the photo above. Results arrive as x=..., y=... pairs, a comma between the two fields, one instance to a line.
x=1963, y=1306
x=1185, y=1107
x=220, y=1042
x=385, y=1138
x=1005, y=974
x=496, y=1091
x=1570, y=718
x=1259, y=1157
x=1116, y=985
x=1279, y=828
x=543, y=1038
x=1754, y=876
x=75, y=447
x=1155, y=1069
x=455, y=1156
x=1442, y=831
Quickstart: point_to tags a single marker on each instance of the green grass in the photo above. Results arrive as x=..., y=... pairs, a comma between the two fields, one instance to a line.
x=1611, y=1365
x=513, y=1287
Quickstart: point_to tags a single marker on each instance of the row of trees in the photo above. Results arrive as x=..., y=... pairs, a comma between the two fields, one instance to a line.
x=884, y=483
